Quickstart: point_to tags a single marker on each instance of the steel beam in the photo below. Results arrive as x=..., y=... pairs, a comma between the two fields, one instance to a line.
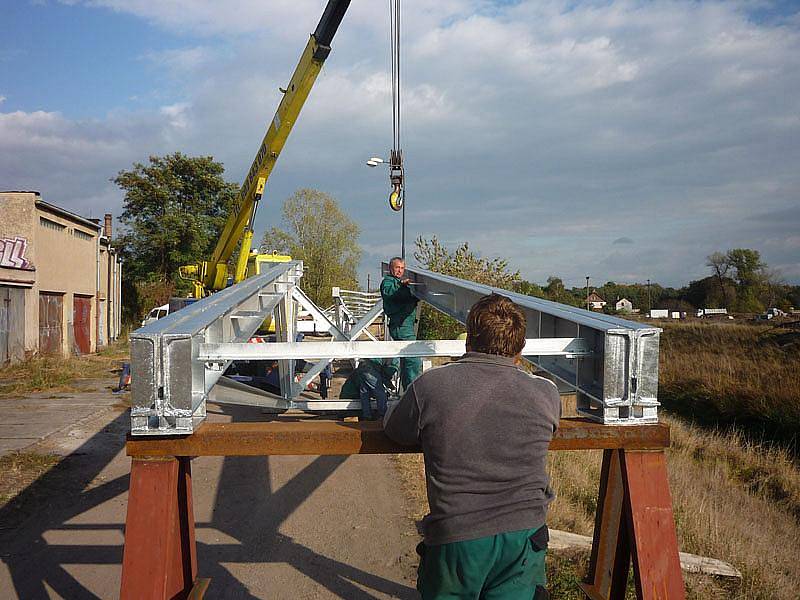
x=368, y=349
x=617, y=383
x=169, y=385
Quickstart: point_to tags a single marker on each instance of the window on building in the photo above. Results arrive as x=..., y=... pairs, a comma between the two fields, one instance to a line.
x=48, y=224
x=81, y=234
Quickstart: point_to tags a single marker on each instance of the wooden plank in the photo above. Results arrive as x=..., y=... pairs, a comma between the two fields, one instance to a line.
x=691, y=563
x=159, y=560
x=339, y=438
x=654, y=544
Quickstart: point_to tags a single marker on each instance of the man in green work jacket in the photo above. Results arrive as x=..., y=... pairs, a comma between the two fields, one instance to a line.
x=400, y=307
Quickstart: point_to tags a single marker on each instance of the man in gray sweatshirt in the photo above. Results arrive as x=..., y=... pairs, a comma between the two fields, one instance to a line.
x=484, y=426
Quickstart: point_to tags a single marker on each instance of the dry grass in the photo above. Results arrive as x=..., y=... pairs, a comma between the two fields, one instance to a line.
x=728, y=374
x=19, y=469
x=732, y=501
x=52, y=373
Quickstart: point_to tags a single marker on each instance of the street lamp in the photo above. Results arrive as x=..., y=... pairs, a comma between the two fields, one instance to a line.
x=649, y=304
x=587, y=293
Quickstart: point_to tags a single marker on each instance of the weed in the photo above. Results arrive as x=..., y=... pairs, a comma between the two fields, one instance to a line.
x=20, y=469
x=55, y=373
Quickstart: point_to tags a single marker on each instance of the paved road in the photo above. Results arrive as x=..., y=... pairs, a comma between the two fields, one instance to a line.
x=278, y=527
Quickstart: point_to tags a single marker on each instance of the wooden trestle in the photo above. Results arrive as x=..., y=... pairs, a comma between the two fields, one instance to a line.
x=634, y=520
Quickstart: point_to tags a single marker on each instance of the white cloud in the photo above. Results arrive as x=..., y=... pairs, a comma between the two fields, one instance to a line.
x=538, y=131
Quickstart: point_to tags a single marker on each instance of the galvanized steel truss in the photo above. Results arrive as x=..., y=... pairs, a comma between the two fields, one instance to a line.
x=610, y=363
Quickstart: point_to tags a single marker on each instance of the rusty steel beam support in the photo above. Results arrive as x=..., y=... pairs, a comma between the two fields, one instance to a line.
x=160, y=557
x=634, y=520
x=338, y=438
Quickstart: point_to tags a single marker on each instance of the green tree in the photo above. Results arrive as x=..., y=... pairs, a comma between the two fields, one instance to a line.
x=173, y=211
x=464, y=264
x=317, y=231
x=749, y=273
x=557, y=292
x=529, y=289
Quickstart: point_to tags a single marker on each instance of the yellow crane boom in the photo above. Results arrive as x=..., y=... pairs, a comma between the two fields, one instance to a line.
x=212, y=275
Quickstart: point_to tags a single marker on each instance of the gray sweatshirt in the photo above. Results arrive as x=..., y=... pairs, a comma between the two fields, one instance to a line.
x=484, y=426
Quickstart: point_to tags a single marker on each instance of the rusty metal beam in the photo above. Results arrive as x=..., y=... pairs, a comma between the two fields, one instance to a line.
x=339, y=438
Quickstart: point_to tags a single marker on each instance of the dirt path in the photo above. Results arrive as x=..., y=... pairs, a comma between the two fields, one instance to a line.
x=277, y=527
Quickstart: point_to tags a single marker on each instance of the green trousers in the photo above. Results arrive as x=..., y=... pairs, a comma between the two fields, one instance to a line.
x=410, y=368
x=506, y=566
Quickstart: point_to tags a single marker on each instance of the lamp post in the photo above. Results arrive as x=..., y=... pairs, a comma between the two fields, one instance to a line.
x=397, y=196
x=587, y=293
x=649, y=305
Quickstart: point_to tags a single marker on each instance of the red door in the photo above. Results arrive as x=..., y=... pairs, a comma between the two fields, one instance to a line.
x=82, y=324
x=51, y=310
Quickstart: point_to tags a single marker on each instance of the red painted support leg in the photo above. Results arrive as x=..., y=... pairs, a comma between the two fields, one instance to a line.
x=634, y=518
x=160, y=559
x=656, y=564
x=610, y=559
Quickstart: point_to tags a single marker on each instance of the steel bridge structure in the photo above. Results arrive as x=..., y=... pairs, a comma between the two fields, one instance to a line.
x=611, y=364
x=178, y=364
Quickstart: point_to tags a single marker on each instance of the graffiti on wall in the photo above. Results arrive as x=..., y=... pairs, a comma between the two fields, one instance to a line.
x=12, y=253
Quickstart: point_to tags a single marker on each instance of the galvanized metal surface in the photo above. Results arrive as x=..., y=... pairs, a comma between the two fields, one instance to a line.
x=379, y=349
x=169, y=385
x=611, y=363
x=616, y=384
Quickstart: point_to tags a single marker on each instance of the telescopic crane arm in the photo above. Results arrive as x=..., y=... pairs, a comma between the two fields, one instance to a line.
x=213, y=274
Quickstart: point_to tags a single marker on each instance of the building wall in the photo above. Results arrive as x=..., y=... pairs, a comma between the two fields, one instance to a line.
x=17, y=219
x=68, y=265
x=53, y=252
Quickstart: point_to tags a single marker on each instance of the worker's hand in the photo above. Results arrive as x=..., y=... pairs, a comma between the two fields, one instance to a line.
x=405, y=281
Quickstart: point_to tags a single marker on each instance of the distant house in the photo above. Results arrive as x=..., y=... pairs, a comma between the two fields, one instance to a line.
x=595, y=302
x=624, y=305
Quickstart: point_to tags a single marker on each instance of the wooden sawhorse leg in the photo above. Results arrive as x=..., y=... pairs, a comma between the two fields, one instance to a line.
x=160, y=558
x=634, y=520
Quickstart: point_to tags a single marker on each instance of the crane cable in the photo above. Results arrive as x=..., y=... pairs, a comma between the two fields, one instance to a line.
x=396, y=170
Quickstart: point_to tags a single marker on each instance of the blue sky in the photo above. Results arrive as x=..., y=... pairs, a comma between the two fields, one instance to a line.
x=625, y=140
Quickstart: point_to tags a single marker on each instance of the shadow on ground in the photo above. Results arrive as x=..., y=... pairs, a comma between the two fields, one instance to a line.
x=245, y=509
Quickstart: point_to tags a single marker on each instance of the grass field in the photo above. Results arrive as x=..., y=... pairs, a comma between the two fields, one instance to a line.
x=735, y=488
x=729, y=375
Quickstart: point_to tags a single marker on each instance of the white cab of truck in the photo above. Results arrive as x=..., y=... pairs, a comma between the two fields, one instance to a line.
x=156, y=314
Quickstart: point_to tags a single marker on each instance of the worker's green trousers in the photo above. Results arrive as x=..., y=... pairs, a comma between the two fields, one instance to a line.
x=410, y=368
x=506, y=566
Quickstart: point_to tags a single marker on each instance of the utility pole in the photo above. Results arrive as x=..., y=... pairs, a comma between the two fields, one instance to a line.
x=649, y=304
x=587, y=293
x=368, y=283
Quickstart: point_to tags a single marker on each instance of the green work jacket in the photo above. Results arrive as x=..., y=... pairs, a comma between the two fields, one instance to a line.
x=399, y=304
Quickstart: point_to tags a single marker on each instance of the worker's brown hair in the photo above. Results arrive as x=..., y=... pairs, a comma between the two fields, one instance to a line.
x=496, y=325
